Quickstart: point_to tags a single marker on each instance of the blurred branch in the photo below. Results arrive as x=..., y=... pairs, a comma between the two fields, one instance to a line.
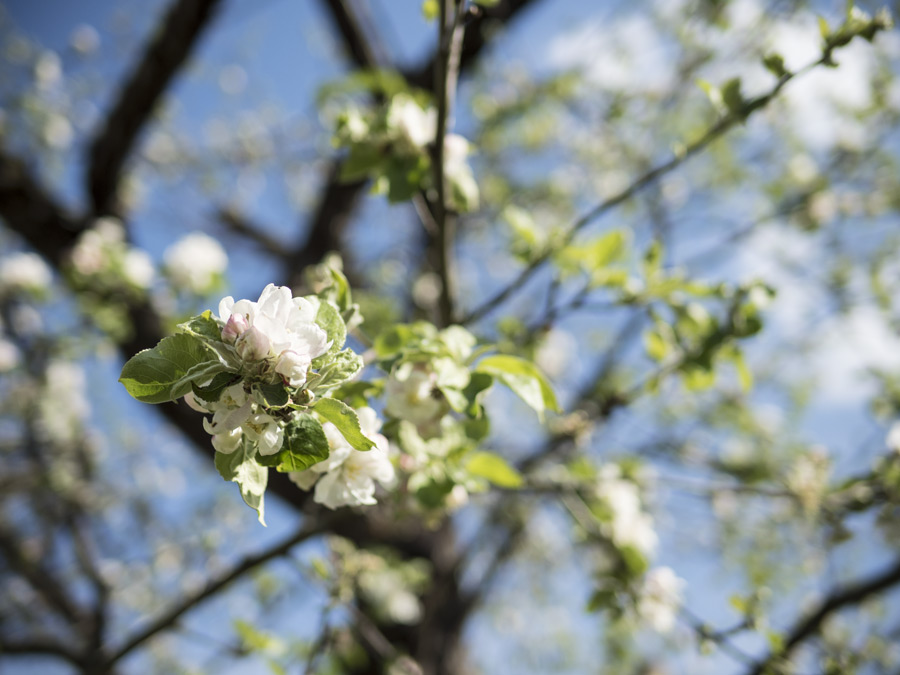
x=38, y=647
x=450, y=35
x=39, y=577
x=716, y=131
x=339, y=200
x=28, y=209
x=479, y=31
x=851, y=594
x=246, y=565
x=359, y=46
x=172, y=43
x=240, y=224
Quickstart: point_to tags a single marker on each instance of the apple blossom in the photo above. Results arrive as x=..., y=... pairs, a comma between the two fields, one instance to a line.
x=278, y=327
x=347, y=477
x=24, y=272
x=410, y=395
x=195, y=262
x=660, y=597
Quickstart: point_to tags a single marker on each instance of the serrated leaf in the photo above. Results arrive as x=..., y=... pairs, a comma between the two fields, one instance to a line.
x=165, y=372
x=524, y=379
x=242, y=468
x=329, y=319
x=493, y=468
x=345, y=419
x=339, y=369
x=204, y=326
x=305, y=444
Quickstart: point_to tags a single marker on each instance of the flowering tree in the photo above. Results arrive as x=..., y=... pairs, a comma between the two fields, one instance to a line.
x=569, y=386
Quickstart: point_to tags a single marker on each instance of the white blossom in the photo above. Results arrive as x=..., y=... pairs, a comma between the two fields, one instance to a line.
x=266, y=431
x=347, y=477
x=660, y=598
x=138, y=268
x=63, y=407
x=410, y=395
x=24, y=272
x=196, y=262
x=9, y=356
x=85, y=39
x=278, y=327
x=893, y=438
x=48, y=70
x=630, y=525
x=57, y=132
x=416, y=126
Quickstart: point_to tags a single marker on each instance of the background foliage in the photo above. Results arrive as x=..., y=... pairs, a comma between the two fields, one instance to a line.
x=683, y=213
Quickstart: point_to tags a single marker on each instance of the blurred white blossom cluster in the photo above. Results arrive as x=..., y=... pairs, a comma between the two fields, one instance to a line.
x=24, y=273
x=392, y=144
x=103, y=257
x=196, y=263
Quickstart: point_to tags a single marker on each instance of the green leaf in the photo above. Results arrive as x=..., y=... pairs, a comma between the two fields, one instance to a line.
x=525, y=380
x=732, y=96
x=527, y=240
x=242, y=468
x=344, y=418
x=394, y=340
x=274, y=394
x=165, y=372
x=479, y=384
x=430, y=10
x=494, y=468
x=305, y=444
x=341, y=368
x=329, y=319
x=774, y=63
x=362, y=160
x=212, y=391
x=204, y=326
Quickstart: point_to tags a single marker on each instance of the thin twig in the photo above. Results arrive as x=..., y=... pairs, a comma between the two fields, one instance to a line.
x=717, y=130
x=213, y=587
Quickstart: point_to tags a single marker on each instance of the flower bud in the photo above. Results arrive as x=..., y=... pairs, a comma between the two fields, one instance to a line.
x=253, y=344
x=236, y=326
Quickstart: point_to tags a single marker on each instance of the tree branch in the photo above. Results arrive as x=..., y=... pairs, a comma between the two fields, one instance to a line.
x=450, y=34
x=715, y=132
x=171, y=45
x=168, y=619
x=852, y=594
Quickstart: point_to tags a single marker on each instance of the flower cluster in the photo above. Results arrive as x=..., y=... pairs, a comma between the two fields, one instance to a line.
x=628, y=524
x=659, y=599
x=24, y=272
x=391, y=144
x=277, y=332
x=102, y=257
x=347, y=477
